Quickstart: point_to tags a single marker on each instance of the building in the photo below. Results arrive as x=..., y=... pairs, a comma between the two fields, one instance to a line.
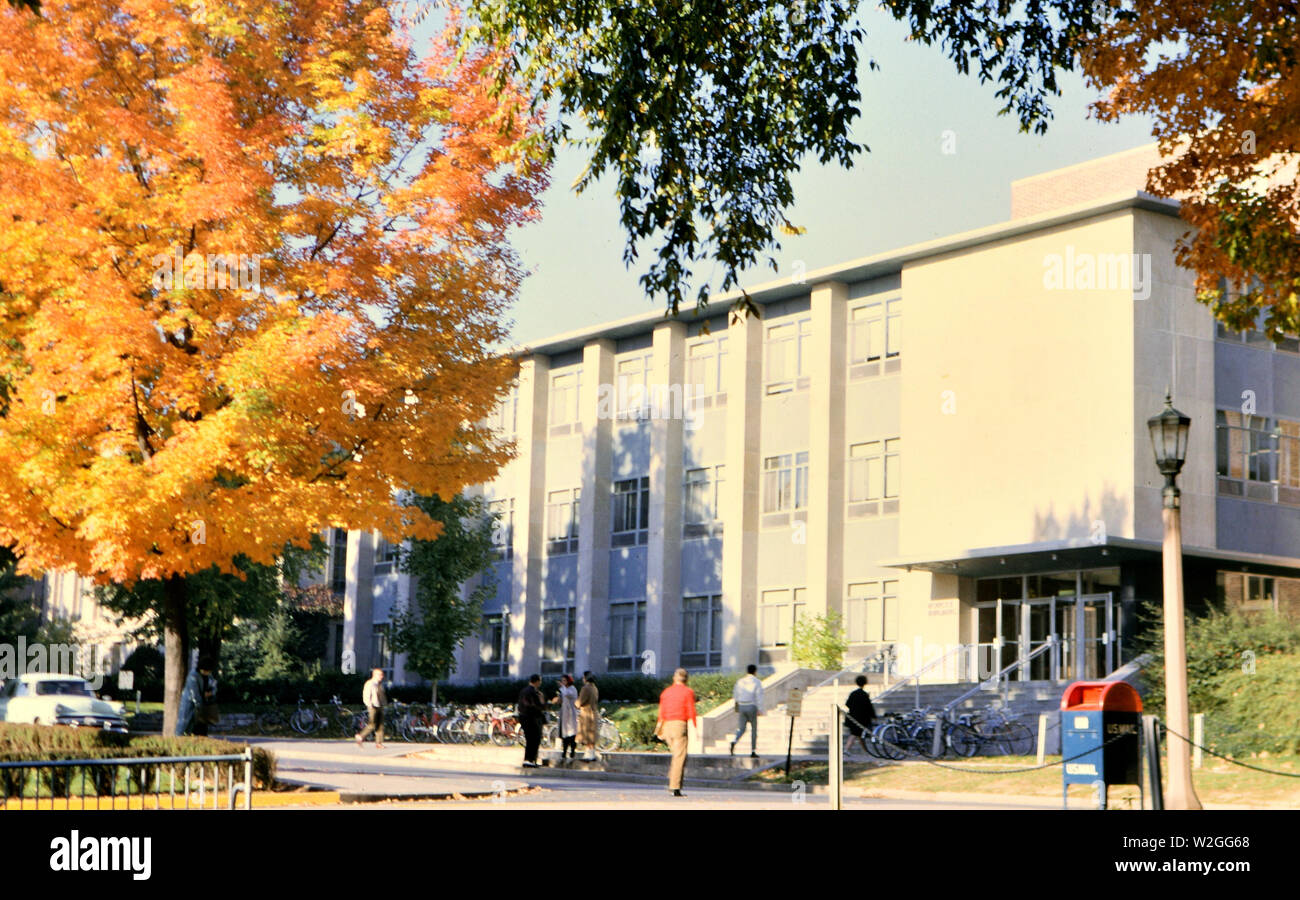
x=684, y=490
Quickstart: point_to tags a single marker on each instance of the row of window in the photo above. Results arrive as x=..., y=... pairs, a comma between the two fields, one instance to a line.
x=874, y=474
x=871, y=616
x=1258, y=457
x=875, y=337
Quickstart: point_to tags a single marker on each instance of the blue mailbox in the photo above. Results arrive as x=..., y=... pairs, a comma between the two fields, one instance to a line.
x=1099, y=736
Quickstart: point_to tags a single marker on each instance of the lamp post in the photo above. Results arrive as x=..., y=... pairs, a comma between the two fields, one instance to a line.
x=1169, y=441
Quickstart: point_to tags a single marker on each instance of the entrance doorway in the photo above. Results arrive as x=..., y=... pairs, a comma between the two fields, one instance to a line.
x=1084, y=629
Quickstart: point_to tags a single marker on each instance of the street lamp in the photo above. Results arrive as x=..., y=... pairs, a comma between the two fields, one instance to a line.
x=1169, y=441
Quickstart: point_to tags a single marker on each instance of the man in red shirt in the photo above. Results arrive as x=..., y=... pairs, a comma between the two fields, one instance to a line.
x=676, y=708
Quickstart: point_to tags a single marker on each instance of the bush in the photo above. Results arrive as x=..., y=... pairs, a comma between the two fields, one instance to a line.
x=148, y=665
x=637, y=725
x=32, y=743
x=1255, y=711
x=819, y=642
x=1218, y=644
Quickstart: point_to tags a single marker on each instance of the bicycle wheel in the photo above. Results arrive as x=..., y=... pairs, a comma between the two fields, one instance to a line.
x=272, y=722
x=963, y=741
x=1017, y=739
x=891, y=741
x=608, y=737
x=502, y=732
x=923, y=741
x=303, y=720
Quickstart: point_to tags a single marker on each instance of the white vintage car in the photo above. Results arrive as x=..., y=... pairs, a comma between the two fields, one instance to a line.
x=50, y=699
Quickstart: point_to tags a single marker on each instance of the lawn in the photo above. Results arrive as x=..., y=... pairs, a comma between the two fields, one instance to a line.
x=1217, y=782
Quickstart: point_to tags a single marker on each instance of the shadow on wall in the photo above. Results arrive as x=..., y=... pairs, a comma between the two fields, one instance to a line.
x=1094, y=522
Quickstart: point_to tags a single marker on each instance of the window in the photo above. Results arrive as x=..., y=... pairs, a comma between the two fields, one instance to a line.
x=1256, y=335
x=872, y=612
x=875, y=475
x=562, y=521
x=557, y=639
x=788, y=355
x=875, y=334
x=705, y=372
x=385, y=555
x=339, y=561
x=1258, y=457
x=702, y=492
x=631, y=512
x=494, y=646
x=626, y=635
x=785, y=482
x=504, y=418
x=381, y=652
x=632, y=388
x=503, y=528
x=1261, y=594
x=702, y=632
x=777, y=613
x=565, y=401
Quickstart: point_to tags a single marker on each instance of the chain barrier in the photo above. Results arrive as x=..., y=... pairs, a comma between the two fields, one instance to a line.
x=1059, y=762
x=1167, y=730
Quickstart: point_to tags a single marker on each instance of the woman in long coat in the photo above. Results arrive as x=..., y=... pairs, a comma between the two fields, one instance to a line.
x=588, y=715
x=568, y=700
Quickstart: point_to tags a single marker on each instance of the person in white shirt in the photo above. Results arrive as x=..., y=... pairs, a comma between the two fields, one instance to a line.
x=748, y=695
x=375, y=698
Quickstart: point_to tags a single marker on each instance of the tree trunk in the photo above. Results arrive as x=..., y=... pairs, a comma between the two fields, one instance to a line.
x=176, y=650
x=433, y=700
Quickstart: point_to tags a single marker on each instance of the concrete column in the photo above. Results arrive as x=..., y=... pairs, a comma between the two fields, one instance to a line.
x=358, y=601
x=592, y=640
x=663, y=589
x=740, y=493
x=826, y=450
x=530, y=517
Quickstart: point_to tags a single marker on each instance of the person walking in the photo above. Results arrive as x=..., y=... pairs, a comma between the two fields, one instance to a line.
x=862, y=715
x=568, y=700
x=589, y=715
x=375, y=698
x=676, y=708
x=748, y=695
x=531, y=711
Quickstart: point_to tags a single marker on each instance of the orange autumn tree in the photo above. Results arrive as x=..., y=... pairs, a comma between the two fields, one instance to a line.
x=253, y=259
x=1221, y=81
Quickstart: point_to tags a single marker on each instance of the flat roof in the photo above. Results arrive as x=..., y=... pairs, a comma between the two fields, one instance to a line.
x=1080, y=553
x=862, y=269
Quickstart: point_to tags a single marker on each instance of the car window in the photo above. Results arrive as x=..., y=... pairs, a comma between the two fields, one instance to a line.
x=74, y=688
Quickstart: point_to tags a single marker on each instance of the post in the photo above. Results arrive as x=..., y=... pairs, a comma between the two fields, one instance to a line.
x=789, y=748
x=1042, y=737
x=835, y=779
x=248, y=778
x=1181, y=794
x=1151, y=744
x=1198, y=738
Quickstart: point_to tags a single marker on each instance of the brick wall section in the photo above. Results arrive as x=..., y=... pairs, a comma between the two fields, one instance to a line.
x=1074, y=185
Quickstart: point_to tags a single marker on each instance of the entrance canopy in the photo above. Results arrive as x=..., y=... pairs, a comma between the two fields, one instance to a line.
x=1081, y=553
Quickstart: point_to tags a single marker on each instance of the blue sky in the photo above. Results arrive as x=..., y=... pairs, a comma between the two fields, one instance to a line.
x=904, y=191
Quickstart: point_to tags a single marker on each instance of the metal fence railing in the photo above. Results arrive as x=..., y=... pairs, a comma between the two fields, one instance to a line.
x=170, y=782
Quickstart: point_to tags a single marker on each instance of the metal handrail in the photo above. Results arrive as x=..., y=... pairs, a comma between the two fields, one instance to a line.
x=916, y=676
x=1048, y=645
x=886, y=655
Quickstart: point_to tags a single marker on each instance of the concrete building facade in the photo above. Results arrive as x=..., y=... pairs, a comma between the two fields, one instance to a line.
x=685, y=490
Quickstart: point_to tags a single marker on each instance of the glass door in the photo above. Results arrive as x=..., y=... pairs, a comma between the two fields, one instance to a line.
x=1090, y=642
x=1039, y=626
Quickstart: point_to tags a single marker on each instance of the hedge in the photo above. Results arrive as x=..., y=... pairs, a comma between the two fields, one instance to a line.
x=37, y=743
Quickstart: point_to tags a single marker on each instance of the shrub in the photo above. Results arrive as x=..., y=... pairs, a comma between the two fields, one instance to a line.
x=31, y=743
x=147, y=664
x=1255, y=711
x=1217, y=644
x=819, y=642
